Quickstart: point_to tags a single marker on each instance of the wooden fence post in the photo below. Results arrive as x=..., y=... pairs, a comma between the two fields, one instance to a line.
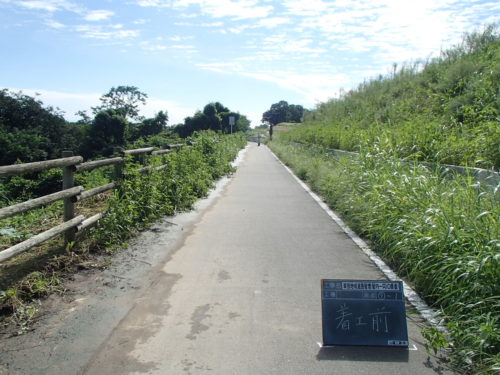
x=69, y=206
x=118, y=172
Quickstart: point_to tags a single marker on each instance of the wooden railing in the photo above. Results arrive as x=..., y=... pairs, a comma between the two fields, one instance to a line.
x=70, y=194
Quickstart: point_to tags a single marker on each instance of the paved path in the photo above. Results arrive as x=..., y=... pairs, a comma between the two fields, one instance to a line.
x=241, y=292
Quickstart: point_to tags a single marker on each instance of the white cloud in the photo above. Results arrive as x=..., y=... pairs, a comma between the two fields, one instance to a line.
x=235, y=9
x=50, y=5
x=305, y=8
x=54, y=24
x=151, y=3
x=241, y=9
x=390, y=30
x=205, y=24
x=106, y=32
x=179, y=38
x=140, y=21
x=182, y=46
x=222, y=67
x=53, y=6
x=272, y=22
x=148, y=46
x=98, y=15
x=313, y=87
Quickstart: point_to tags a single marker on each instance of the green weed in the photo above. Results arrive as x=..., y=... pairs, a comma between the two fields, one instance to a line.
x=441, y=233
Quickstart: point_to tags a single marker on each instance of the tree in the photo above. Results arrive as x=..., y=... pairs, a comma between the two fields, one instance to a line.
x=109, y=129
x=153, y=125
x=215, y=117
x=295, y=113
x=283, y=112
x=220, y=108
x=242, y=124
x=276, y=114
x=212, y=119
x=125, y=100
x=29, y=131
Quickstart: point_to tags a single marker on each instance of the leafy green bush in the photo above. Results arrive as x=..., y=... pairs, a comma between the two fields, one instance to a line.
x=189, y=176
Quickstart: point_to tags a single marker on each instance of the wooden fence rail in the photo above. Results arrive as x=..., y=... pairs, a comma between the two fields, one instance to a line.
x=17, y=169
x=70, y=194
x=97, y=164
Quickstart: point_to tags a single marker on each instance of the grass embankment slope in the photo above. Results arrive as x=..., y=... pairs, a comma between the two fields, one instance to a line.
x=445, y=110
x=441, y=233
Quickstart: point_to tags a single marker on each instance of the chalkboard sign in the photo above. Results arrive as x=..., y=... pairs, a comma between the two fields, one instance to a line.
x=363, y=312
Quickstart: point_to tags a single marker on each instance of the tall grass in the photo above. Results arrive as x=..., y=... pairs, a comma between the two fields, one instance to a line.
x=440, y=233
x=443, y=110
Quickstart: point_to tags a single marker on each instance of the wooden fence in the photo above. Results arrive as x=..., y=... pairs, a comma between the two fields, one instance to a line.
x=70, y=194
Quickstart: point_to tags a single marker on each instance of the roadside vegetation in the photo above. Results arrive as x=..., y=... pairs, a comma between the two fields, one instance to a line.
x=31, y=132
x=138, y=202
x=440, y=232
x=444, y=110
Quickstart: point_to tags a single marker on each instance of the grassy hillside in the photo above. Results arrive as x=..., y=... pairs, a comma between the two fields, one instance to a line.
x=440, y=233
x=444, y=110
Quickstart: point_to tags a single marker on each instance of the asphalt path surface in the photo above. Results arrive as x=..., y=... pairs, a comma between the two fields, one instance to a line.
x=241, y=292
x=232, y=287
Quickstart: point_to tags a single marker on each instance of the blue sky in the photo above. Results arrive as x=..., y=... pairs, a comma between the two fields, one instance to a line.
x=246, y=54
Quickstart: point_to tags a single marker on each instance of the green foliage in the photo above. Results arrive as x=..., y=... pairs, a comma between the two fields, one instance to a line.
x=160, y=140
x=446, y=110
x=440, y=233
x=214, y=117
x=283, y=112
x=139, y=199
x=242, y=124
x=21, y=188
x=124, y=100
x=109, y=129
x=31, y=132
x=152, y=126
x=144, y=197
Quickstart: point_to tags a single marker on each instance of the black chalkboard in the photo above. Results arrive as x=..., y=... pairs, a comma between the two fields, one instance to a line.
x=363, y=312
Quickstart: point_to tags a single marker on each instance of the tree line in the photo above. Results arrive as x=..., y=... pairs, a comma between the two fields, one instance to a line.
x=215, y=117
x=31, y=131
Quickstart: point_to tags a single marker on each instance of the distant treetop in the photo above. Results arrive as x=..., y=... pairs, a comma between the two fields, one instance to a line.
x=283, y=112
